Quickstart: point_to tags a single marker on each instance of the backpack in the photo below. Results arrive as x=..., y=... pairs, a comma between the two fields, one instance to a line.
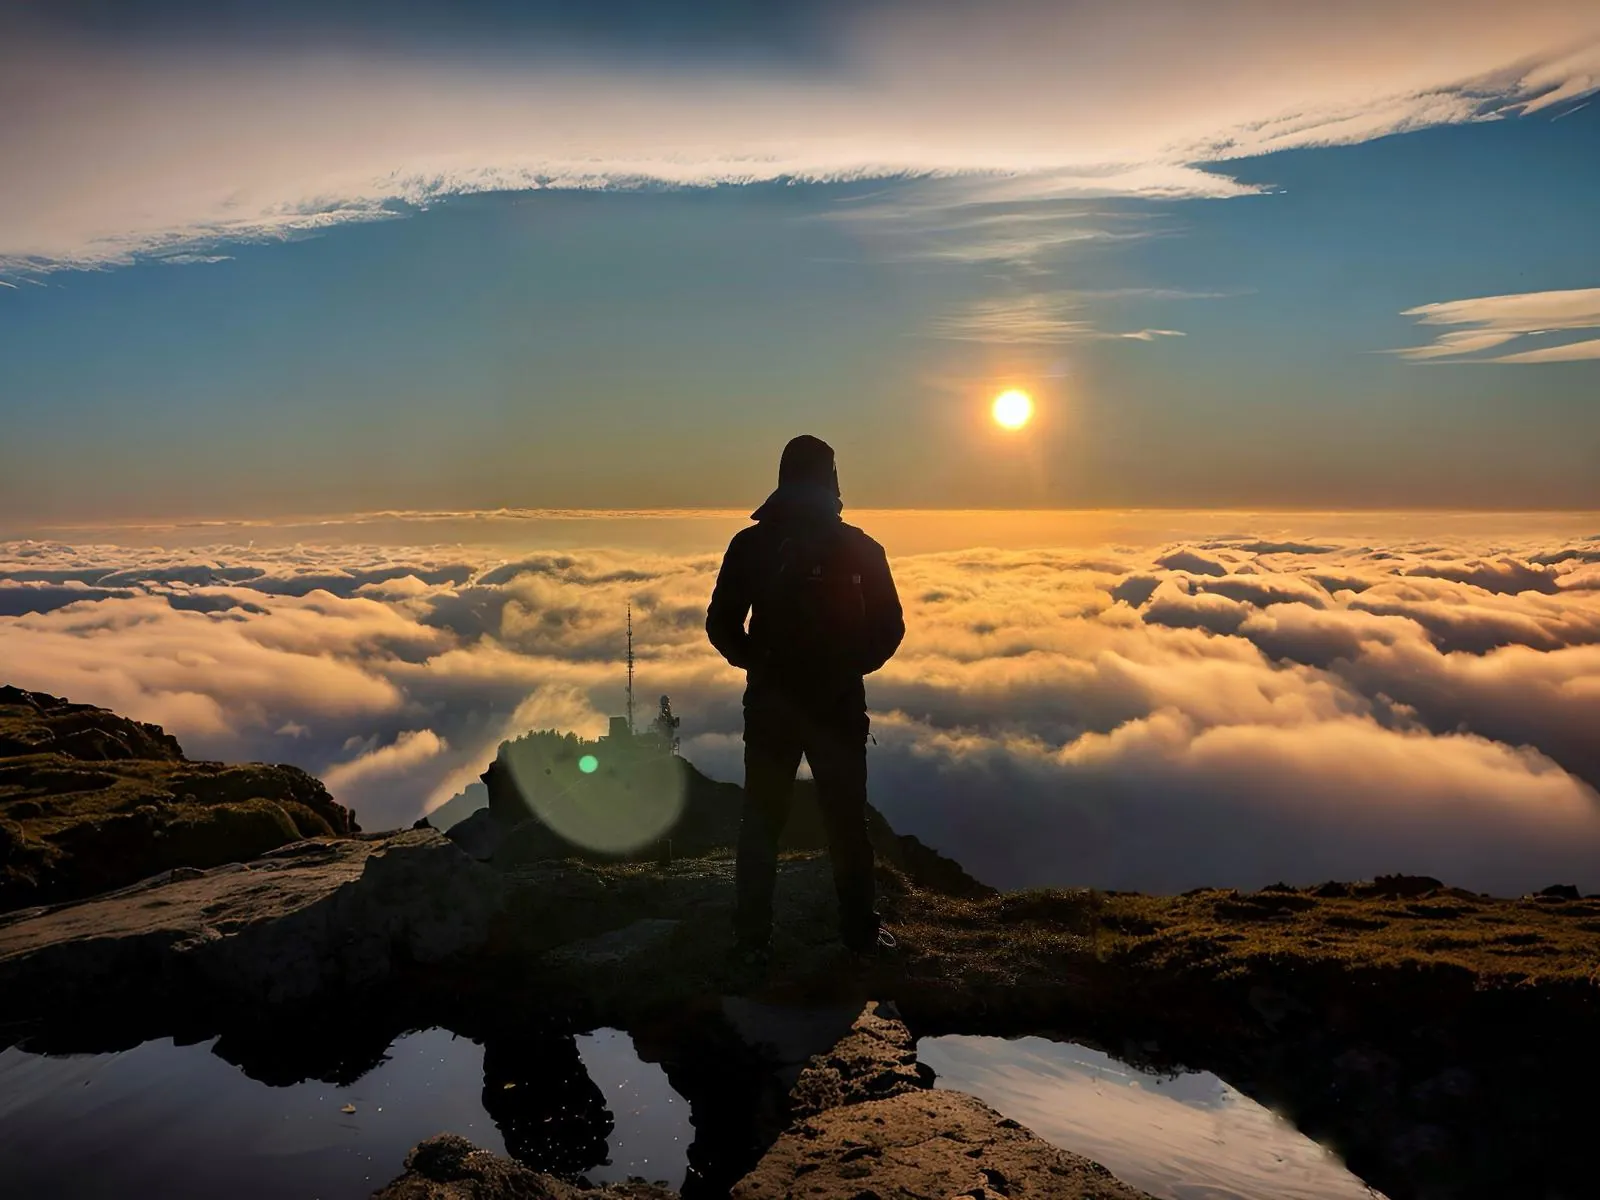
x=813, y=611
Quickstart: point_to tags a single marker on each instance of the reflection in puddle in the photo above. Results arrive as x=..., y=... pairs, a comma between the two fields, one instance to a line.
x=652, y=1134
x=179, y=1122
x=1186, y=1138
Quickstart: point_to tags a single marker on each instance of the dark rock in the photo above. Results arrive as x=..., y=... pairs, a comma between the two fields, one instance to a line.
x=507, y=803
x=646, y=937
x=789, y=1038
x=1398, y=887
x=708, y=814
x=633, y=937
x=923, y=1144
x=448, y=1167
x=298, y=920
x=479, y=835
x=1559, y=891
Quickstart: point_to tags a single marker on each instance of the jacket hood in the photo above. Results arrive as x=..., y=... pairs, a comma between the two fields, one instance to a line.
x=802, y=501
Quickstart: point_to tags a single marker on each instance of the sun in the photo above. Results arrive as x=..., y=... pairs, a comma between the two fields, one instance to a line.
x=1013, y=409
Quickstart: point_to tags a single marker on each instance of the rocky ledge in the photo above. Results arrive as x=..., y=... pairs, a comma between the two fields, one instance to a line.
x=1443, y=1042
x=308, y=919
x=90, y=801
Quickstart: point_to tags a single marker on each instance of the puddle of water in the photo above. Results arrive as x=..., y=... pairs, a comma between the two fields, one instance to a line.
x=1186, y=1138
x=652, y=1134
x=179, y=1122
x=167, y=1120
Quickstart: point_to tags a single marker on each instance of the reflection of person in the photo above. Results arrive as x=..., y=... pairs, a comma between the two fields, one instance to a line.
x=823, y=613
x=550, y=1114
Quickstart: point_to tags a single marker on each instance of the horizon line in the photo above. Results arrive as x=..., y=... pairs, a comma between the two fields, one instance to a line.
x=530, y=514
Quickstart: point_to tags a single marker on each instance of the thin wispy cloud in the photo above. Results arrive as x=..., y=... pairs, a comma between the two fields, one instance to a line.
x=1041, y=319
x=237, y=142
x=1495, y=321
x=1571, y=352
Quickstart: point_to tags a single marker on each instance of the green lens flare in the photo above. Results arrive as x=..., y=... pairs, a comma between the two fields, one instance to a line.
x=615, y=799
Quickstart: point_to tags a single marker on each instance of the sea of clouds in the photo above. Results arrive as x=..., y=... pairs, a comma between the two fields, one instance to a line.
x=1229, y=710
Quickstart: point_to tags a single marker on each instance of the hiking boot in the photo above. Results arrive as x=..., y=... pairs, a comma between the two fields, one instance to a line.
x=882, y=946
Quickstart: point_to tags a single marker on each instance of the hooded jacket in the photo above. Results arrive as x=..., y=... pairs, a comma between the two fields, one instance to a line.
x=752, y=557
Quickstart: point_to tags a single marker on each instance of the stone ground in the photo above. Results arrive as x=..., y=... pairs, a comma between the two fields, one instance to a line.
x=1444, y=1042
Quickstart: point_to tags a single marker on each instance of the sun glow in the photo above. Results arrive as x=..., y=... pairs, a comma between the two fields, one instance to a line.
x=1013, y=409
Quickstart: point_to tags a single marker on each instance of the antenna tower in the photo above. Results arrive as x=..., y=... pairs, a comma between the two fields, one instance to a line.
x=630, y=666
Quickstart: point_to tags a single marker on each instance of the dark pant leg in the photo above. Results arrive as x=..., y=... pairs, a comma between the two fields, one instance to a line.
x=837, y=752
x=771, y=759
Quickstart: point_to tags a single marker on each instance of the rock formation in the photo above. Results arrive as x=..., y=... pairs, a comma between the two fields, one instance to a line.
x=527, y=773
x=921, y=1144
x=91, y=801
x=307, y=919
x=449, y=1167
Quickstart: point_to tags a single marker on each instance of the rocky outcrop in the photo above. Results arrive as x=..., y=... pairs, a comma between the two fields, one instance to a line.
x=308, y=918
x=923, y=1144
x=449, y=1167
x=877, y=1059
x=708, y=820
x=91, y=801
x=479, y=835
x=867, y=1124
x=36, y=723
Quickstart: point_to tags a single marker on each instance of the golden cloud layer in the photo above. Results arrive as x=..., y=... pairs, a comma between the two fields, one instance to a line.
x=1225, y=710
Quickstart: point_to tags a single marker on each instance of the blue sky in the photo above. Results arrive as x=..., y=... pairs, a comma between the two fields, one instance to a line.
x=434, y=258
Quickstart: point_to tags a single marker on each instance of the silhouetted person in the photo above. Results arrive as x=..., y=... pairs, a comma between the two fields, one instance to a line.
x=823, y=613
